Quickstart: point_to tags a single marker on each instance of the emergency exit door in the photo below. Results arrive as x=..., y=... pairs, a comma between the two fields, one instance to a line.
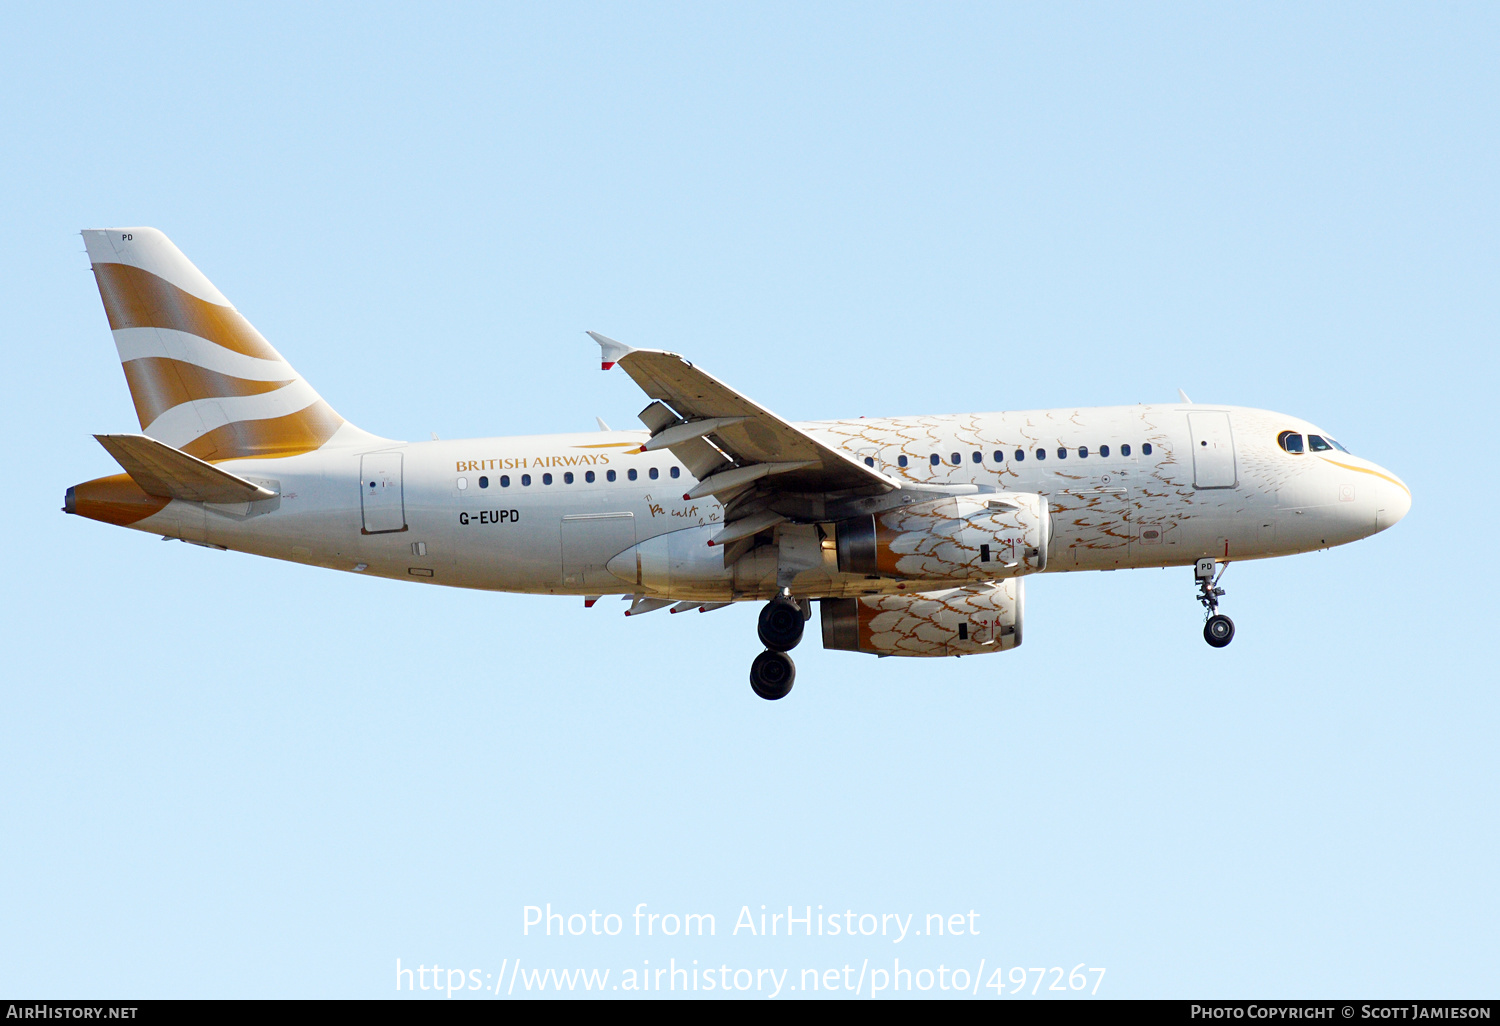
x=1213, y=450
x=380, y=493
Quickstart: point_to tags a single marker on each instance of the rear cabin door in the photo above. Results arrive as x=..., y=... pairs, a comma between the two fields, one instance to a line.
x=589, y=541
x=380, y=488
x=1213, y=450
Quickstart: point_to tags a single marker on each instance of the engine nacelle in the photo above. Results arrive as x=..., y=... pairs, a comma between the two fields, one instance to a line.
x=960, y=621
x=974, y=538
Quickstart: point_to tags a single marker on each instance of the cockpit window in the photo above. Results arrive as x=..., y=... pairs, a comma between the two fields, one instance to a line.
x=1290, y=441
x=1315, y=443
x=1335, y=443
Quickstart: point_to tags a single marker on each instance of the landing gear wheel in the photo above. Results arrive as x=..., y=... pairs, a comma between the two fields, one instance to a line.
x=772, y=674
x=1219, y=630
x=781, y=625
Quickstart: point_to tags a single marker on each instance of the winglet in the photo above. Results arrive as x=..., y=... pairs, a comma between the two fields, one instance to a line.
x=610, y=351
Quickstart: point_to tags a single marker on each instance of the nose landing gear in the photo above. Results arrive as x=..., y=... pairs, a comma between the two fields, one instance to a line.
x=781, y=625
x=1218, y=630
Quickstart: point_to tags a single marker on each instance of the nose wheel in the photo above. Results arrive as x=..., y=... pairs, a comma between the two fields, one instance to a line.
x=1218, y=630
x=780, y=628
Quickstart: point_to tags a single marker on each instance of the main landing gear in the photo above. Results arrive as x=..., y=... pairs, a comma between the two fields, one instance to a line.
x=781, y=624
x=1218, y=630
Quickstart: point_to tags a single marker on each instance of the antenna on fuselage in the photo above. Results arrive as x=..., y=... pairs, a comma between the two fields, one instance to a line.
x=1184, y=397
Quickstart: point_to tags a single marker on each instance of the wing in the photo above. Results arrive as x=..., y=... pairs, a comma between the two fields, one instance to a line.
x=740, y=452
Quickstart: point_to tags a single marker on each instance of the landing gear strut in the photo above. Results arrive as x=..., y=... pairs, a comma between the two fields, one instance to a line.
x=780, y=628
x=1218, y=629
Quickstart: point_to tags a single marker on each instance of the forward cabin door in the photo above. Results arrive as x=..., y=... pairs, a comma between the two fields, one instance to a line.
x=380, y=493
x=1213, y=450
x=591, y=540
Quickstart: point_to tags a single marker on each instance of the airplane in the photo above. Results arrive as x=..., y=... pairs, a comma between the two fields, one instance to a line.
x=913, y=534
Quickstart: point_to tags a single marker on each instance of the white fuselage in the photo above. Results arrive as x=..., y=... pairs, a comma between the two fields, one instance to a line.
x=521, y=514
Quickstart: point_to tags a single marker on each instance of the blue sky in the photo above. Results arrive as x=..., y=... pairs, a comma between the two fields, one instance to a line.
x=229, y=776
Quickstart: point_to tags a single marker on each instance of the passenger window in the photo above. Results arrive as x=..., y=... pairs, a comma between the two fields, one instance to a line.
x=653, y=474
x=979, y=457
x=504, y=480
x=588, y=477
x=546, y=479
x=463, y=483
x=934, y=459
x=1125, y=449
x=1104, y=453
x=1000, y=458
x=869, y=461
x=957, y=459
x=1315, y=443
x=1291, y=441
x=484, y=482
x=631, y=474
x=901, y=461
x=1020, y=455
x=1146, y=449
x=1083, y=452
x=1062, y=453
x=1041, y=454
x=526, y=480
x=609, y=475
x=676, y=471
x=568, y=477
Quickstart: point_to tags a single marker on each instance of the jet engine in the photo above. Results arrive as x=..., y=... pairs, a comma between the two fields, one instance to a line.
x=974, y=538
x=959, y=621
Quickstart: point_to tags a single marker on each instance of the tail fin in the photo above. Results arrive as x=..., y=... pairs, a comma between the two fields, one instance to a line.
x=203, y=380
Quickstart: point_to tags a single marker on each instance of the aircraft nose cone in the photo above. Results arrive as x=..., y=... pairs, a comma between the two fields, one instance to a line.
x=1395, y=501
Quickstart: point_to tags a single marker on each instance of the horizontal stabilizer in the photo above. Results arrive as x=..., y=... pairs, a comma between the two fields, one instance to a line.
x=171, y=473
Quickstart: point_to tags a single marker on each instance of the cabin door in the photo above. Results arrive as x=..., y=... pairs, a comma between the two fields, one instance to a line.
x=1213, y=450
x=380, y=488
